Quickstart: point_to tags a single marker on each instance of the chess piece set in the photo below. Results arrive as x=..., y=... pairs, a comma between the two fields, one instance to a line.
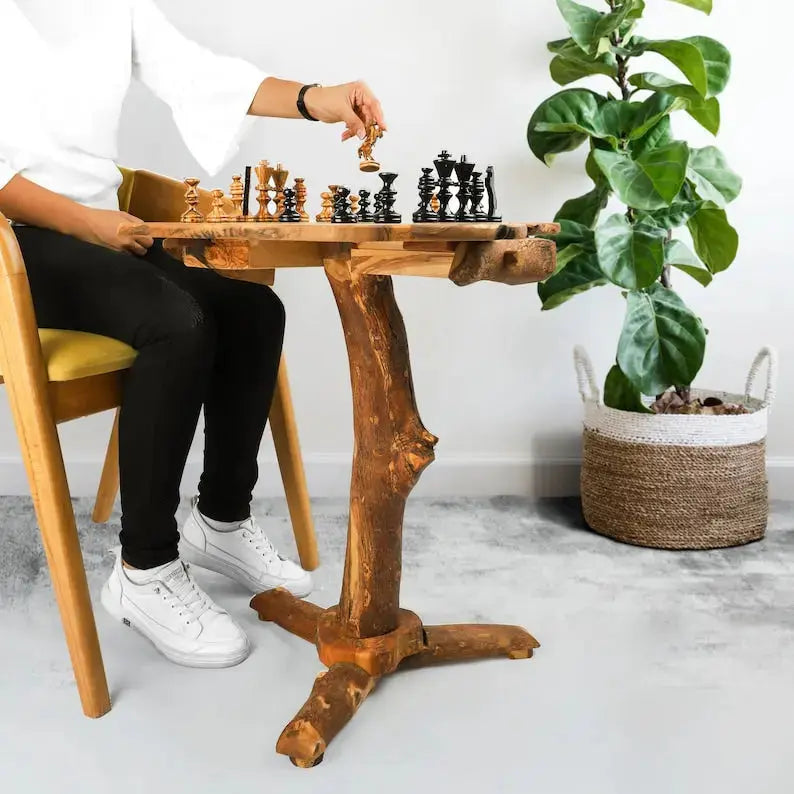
x=340, y=206
x=288, y=203
x=436, y=195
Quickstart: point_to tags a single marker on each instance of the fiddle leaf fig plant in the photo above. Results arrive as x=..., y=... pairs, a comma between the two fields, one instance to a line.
x=663, y=183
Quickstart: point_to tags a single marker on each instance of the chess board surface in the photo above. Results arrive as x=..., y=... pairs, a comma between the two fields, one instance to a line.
x=348, y=233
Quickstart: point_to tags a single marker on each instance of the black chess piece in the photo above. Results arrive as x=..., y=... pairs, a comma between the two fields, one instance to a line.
x=477, y=194
x=342, y=213
x=490, y=189
x=427, y=186
x=387, y=196
x=445, y=165
x=464, y=170
x=364, y=215
x=290, y=214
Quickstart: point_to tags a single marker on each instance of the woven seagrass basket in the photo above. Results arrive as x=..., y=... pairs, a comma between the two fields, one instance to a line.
x=671, y=481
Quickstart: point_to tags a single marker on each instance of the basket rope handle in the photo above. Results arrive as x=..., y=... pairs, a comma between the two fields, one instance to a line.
x=585, y=375
x=766, y=355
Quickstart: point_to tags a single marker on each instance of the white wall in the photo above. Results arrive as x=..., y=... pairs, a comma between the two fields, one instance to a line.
x=493, y=375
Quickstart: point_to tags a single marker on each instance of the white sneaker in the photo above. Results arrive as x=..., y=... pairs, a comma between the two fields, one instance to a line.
x=177, y=616
x=245, y=555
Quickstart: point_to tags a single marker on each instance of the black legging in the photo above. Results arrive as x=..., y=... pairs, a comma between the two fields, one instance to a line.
x=202, y=340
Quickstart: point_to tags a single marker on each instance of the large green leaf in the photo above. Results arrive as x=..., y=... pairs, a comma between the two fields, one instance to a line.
x=662, y=343
x=716, y=241
x=650, y=182
x=565, y=255
x=622, y=394
x=630, y=255
x=591, y=29
x=704, y=111
x=650, y=112
x=707, y=114
x=585, y=209
x=717, y=58
x=657, y=136
x=686, y=204
x=579, y=275
x=571, y=63
x=683, y=54
x=713, y=179
x=677, y=255
x=573, y=232
x=563, y=122
x=700, y=5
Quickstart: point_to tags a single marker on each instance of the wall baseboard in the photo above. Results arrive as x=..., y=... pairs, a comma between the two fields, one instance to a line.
x=329, y=475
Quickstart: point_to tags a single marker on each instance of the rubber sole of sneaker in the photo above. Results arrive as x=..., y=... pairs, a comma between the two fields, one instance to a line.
x=195, y=556
x=116, y=611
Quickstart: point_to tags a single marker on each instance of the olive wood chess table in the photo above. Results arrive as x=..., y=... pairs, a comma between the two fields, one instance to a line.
x=367, y=635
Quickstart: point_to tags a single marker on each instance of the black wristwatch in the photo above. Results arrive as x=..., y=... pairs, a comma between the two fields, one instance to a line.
x=302, y=105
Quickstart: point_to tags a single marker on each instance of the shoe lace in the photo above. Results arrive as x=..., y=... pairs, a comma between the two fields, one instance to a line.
x=261, y=542
x=184, y=594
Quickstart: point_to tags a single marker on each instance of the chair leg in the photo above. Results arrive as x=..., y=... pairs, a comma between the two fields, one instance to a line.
x=285, y=438
x=109, y=483
x=41, y=450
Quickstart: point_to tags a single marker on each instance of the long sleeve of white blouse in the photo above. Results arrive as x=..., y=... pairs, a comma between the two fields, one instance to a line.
x=209, y=94
x=7, y=172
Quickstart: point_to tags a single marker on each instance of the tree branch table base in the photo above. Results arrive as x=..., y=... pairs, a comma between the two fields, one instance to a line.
x=367, y=635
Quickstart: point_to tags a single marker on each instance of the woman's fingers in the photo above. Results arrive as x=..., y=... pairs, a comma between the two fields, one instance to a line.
x=136, y=248
x=146, y=242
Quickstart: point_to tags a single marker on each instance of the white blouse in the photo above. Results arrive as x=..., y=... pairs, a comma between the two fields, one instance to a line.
x=65, y=68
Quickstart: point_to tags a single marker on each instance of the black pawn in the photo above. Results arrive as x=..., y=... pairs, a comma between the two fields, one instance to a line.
x=490, y=189
x=387, y=196
x=290, y=214
x=342, y=213
x=364, y=215
x=464, y=170
x=477, y=194
x=427, y=186
x=445, y=165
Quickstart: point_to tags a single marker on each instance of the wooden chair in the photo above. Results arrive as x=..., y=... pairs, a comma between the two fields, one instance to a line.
x=53, y=376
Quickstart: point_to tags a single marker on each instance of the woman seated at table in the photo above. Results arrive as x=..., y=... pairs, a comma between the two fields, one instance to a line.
x=202, y=340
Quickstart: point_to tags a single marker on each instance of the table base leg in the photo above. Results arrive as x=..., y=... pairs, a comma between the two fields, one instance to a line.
x=356, y=663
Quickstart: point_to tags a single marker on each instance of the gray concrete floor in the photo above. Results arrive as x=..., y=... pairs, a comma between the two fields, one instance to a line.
x=659, y=672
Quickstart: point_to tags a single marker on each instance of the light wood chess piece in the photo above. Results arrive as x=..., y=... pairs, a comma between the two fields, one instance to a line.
x=236, y=191
x=327, y=208
x=280, y=175
x=368, y=164
x=217, y=214
x=435, y=204
x=263, y=174
x=354, y=204
x=192, y=213
x=301, y=194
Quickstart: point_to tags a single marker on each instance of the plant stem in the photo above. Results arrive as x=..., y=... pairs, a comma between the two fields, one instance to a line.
x=666, y=279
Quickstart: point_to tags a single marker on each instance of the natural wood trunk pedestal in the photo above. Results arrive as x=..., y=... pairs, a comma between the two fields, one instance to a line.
x=367, y=635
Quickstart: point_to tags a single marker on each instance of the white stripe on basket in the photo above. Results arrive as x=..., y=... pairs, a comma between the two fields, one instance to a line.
x=677, y=429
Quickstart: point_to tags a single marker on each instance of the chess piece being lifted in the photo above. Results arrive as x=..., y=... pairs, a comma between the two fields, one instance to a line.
x=368, y=164
x=192, y=213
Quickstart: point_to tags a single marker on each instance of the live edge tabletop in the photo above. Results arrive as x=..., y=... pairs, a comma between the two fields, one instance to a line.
x=367, y=635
